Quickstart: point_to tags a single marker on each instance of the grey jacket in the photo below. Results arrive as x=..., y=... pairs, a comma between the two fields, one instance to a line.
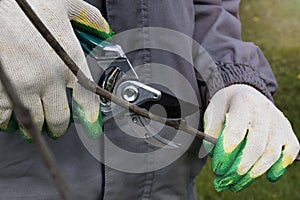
x=212, y=23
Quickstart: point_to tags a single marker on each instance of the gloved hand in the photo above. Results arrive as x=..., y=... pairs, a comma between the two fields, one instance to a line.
x=38, y=74
x=254, y=137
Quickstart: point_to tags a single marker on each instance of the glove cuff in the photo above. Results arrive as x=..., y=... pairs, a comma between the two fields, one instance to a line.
x=227, y=74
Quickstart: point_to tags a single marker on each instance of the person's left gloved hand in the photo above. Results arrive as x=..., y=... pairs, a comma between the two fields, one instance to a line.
x=254, y=137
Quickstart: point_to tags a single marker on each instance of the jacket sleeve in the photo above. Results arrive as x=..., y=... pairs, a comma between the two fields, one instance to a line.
x=218, y=30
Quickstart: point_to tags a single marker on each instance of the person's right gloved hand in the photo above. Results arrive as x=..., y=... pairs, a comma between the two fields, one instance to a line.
x=39, y=75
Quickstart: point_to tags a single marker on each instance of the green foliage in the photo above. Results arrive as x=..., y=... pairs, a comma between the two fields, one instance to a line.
x=274, y=26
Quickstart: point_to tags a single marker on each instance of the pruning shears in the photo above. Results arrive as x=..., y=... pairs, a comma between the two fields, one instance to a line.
x=112, y=71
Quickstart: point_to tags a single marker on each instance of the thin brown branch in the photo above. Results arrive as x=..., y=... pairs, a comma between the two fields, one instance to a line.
x=24, y=117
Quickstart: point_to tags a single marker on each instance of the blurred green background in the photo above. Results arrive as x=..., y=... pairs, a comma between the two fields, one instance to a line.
x=274, y=25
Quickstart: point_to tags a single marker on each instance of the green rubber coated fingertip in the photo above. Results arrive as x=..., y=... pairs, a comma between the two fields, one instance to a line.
x=25, y=136
x=218, y=187
x=53, y=135
x=243, y=183
x=276, y=171
x=230, y=179
x=92, y=129
x=222, y=162
x=10, y=127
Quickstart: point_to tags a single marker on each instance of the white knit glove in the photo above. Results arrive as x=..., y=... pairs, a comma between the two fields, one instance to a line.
x=38, y=74
x=254, y=137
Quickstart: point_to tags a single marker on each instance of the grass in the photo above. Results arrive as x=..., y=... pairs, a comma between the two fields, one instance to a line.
x=274, y=25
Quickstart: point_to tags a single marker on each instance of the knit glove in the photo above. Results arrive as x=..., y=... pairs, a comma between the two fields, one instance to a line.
x=39, y=75
x=254, y=137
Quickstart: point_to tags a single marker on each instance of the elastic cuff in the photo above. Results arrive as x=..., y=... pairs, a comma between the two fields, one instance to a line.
x=228, y=74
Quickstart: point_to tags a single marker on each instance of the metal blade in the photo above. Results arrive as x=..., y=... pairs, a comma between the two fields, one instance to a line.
x=153, y=139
